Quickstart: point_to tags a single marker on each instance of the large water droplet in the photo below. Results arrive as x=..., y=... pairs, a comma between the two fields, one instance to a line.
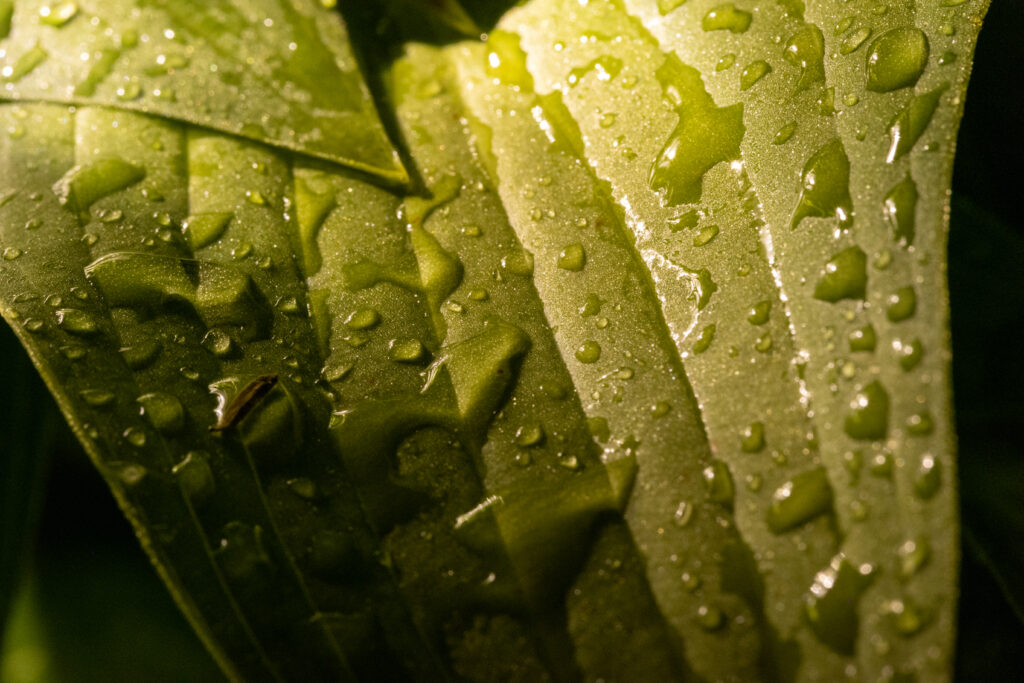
x=911, y=122
x=164, y=412
x=77, y=322
x=800, y=500
x=573, y=258
x=869, y=413
x=588, y=352
x=896, y=59
x=726, y=17
x=825, y=186
x=718, y=480
x=831, y=604
x=806, y=49
x=899, y=208
x=844, y=276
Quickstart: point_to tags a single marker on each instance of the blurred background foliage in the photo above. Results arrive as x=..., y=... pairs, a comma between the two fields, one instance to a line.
x=83, y=604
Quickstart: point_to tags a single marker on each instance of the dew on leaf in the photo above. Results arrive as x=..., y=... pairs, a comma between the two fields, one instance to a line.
x=572, y=258
x=868, y=419
x=726, y=17
x=896, y=59
x=760, y=313
x=529, y=436
x=588, y=352
x=195, y=476
x=863, y=339
x=718, y=482
x=703, y=342
x=854, y=40
x=831, y=603
x=844, y=277
x=77, y=322
x=752, y=439
x=825, y=186
x=899, y=209
x=97, y=398
x=135, y=437
x=798, y=501
x=912, y=555
x=902, y=304
x=754, y=72
x=909, y=353
x=409, y=351
x=784, y=134
x=710, y=617
x=910, y=124
x=163, y=411
x=806, y=49
x=928, y=478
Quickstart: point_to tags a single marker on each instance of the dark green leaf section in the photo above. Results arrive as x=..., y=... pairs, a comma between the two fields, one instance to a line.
x=253, y=69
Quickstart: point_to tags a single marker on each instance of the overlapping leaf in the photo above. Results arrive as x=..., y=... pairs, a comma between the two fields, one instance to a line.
x=651, y=385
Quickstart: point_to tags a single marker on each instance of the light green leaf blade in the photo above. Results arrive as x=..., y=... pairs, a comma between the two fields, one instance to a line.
x=259, y=70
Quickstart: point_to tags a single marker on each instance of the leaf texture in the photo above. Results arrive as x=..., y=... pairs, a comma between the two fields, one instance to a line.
x=650, y=382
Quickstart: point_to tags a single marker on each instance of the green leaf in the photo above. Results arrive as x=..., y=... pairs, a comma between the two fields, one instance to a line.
x=257, y=70
x=650, y=383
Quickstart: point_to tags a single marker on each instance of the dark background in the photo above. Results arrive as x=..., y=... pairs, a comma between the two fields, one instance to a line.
x=104, y=616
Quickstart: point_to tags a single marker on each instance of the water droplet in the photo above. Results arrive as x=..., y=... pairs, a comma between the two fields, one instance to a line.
x=800, y=500
x=11, y=253
x=854, y=40
x=703, y=342
x=806, y=49
x=135, y=437
x=409, y=351
x=902, y=304
x=920, y=424
x=726, y=17
x=784, y=134
x=910, y=124
x=705, y=135
x=77, y=322
x=163, y=411
x=896, y=59
x=760, y=313
x=34, y=325
x=725, y=62
x=241, y=553
x=705, y=235
x=710, y=617
x=606, y=67
x=947, y=58
x=831, y=604
x=58, y=13
x=868, y=419
x=303, y=487
x=753, y=438
x=910, y=355
x=666, y=6
x=718, y=481
x=929, y=477
x=661, y=409
x=588, y=352
x=899, y=208
x=195, y=476
x=754, y=72
x=506, y=61
x=219, y=343
x=363, y=319
x=478, y=295
x=863, y=339
x=529, y=436
x=906, y=616
x=844, y=277
x=825, y=186
x=683, y=514
x=572, y=257
x=97, y=398
x=141, y=355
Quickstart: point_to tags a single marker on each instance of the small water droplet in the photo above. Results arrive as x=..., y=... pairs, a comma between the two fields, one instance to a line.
x=409, y=351
x=863, y=339
x=97, y=398
x=705, y=235
x=899, y=208
x=572, y=257
x=752, y=440
x=135, y=437
x=754, y=72
x=929, y=477
x=588, y=352
x=11, y=253
x=718, y=481
x=77, y=322
x=703, y=342
x=902, y=304
x=710, y=617
x=784, y=134
x=363, y=319
x=219, y=343
x=529, y=436
x=195, y=476
x=910, y=354
x=854, y=40
x=725, y=62
x=760, y=313
x=58, y=13
x=912, y=555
